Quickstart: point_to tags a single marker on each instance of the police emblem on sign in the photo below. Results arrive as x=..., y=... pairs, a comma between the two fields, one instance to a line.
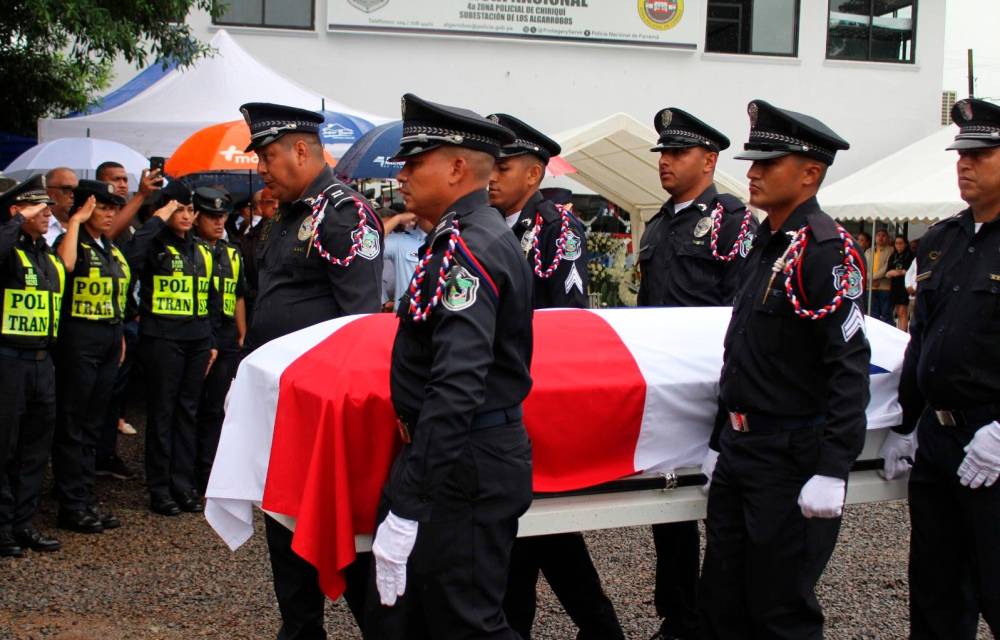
x=573, y=248
x=368, y=6
x=854, y=283
x=368, y=244
x=661, y=14
x=460, y=292
x=702, y=226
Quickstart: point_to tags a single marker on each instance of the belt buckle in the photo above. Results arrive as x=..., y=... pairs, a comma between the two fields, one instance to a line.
x=739, y=421
x=404, y=431
x=946, y=418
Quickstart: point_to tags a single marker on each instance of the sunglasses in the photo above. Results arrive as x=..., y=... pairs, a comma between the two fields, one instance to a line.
x=63, y=188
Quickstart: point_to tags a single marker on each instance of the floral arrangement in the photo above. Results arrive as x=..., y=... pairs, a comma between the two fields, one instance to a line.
x=613, y=278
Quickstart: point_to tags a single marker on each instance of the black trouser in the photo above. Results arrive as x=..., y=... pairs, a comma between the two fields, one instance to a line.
x=27, y=422
x=457, y=573
x=107, y=440
x=87, y=362
x=296, y=586
x=764, y=557
x=677, y=560
x=955, y=540
x=567, y=566
x=174, y=372
x=211, y=411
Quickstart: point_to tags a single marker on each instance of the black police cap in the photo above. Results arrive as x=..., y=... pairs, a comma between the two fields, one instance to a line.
x=31, y=191
x=679, y=129
x=778, y=132
x=101, y=191
x=211, y=201
x=978, y=124
x=176, y=190
x=527, y=139
x=427, y=125
x=268, y=122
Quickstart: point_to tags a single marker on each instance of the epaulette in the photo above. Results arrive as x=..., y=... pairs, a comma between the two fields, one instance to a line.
x=949, y=220
x=729, y=202
x=822, y=226
x=548, y=211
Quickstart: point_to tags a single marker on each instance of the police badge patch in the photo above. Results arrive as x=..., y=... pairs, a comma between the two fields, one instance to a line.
x=702, y=226
x=573, y=248
x=853, y=281
x=747, y=244
x=368, y=246
x=460, y=291
x=965, y=108
x=305, y=229
x=526, y=241
x=666, y=117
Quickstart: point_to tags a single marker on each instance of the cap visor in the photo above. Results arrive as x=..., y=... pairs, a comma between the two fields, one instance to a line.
x=971, y=143
x=761, y=155
x=412, y=150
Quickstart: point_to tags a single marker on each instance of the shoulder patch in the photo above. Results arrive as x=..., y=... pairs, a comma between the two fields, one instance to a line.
x=461, y=289
x=854, y=322
x=854, y=281
x=574, y=246
x=368, y=242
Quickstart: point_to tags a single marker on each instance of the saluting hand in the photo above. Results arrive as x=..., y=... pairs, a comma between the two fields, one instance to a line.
x=29, y=213
x=150, y=181
x=83, y=213
x=167, y=210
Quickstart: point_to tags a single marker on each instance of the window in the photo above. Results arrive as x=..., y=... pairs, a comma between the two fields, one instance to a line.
x=761, y=27
x=874, y=30
x=283, y=14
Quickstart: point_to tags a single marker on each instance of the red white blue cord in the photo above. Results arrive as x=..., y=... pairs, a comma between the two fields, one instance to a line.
x=560, y=242
x=420, y=312
x=717, y=225
x=796, y=253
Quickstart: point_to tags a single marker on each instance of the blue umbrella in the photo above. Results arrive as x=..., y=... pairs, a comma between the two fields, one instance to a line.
x=369, y=157
x=342, y=128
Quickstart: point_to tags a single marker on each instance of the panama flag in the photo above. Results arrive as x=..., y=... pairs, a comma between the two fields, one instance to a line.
x=310, y=431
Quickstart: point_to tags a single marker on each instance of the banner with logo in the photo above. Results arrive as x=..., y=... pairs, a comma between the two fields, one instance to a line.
x=665, y=23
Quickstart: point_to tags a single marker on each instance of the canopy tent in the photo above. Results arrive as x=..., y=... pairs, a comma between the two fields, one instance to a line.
x=612, y=158
x=155, y=115
x=916, y=184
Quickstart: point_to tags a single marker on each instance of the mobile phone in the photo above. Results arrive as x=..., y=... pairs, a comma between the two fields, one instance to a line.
x=156, y=163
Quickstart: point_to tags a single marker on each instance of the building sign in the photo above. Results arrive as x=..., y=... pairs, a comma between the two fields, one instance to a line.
x=670, y=23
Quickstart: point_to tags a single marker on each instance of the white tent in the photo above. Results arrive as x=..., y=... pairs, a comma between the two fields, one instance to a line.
x=612, y=158
x=917, y=183
x=165, y=113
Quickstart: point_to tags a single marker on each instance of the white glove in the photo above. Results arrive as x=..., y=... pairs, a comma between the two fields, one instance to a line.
x=393, y=543
x=708, y=467
x=823, y=497
x=982, y=458
x=897, y=454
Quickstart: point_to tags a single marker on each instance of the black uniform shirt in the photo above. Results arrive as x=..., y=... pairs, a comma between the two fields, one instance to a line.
x=297, y=287
x=567, y=286
x=471, y=356
x=224, y=325
x=780, y=365
x=148, y=255
x=99, y=255
x=14, y=275
x=951, y=361
x=676, y=265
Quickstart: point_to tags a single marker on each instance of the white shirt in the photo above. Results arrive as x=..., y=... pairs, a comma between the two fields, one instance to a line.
x=54, y=231
x=678, y=207
x=910, y=279
x=512, y=219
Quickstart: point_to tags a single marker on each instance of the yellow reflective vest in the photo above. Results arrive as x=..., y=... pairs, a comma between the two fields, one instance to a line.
x=98, y=288
x=31, y=304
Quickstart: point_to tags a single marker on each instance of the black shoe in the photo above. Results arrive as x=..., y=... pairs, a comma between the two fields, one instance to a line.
x=107, y=520
x=164, y=507
x=80, y=521
x=190, y=502
x=9, y=548
x=115, y=467
x=31, y=538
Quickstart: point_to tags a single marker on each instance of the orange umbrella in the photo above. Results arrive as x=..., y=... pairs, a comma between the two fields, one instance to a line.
x=218, y=147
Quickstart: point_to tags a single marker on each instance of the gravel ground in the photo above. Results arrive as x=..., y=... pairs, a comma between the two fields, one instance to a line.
x=172, y=578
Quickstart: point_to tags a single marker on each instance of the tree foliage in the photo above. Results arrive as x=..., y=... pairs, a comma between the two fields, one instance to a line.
x=56, y=56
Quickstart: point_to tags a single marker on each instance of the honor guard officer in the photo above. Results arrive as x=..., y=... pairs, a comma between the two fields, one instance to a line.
x=32, y=280
x=89, y=350
x=230, y=319
x=319, y=257
x=460, y=370
x=554, y=242
x=949, y=391
x=690, y=255
x=552, y=238
x=795, y=379
x=176, y=345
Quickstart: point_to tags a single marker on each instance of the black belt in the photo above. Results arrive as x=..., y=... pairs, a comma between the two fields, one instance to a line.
x=24, y=354
x=974, y=417
x=485, y=420
x=762, y=423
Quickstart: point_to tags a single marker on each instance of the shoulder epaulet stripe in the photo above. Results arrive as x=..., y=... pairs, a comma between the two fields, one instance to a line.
x=466, y=253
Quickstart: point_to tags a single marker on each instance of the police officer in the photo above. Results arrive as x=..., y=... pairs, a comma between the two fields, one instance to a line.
x=554, y=242
x=690, y=255
x=89, y=350
x=319, y=257
x=460, y=370
x=176, y=348
x=795, y=381
x=212, y=208
x=949, y=391
x=32, y=281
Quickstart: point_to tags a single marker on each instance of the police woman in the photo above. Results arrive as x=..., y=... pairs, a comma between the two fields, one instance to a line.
x=176, y=346
x=89, y=351
x=229, y=319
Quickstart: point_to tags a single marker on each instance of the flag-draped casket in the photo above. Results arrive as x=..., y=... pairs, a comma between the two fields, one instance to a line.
x=310, y=430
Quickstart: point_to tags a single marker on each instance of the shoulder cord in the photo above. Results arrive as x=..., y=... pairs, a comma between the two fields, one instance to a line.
x=793, y=265
x=717, y=225
x=560, y=242
x=318, y=213
x=419, y=312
